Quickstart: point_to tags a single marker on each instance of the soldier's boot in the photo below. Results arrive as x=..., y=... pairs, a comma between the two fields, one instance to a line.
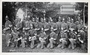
x=39, y=45
x=51, y=44
x=69, y=46
x=48, y=46
x=32, y=44
x=73, y=46
x=42, y=45
x=59, y=46
x=16, y=44
x=63, y=45
x=8, y=44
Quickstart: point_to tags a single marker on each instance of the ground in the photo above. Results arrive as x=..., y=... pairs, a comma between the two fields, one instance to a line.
x=56, y=49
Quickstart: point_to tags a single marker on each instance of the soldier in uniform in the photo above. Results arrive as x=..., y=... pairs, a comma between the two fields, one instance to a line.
x=25, y=32
x=7, y=30
x=18, y=24
x=59, y=23
x=42, y=38
x=23, y=41
x=32, y=36
x=15, y=36
x=64, y=25
x=41, y=23
x=46, y=27
x=19, y=40
x=51, y=22
x=53, y=37
x=26, y=25
x=30, y=22
x=64, y=38
x=36, y=25
x=33, y=22
x=72, y=39
x=82, y=37
x=78, y=24
x=68, y=22
x=72, y=25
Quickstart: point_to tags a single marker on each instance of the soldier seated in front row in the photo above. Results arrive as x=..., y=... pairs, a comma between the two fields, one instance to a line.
x=32, y=37
x=53, y=37
x=64, y=39
x=42, y=39
x=81, y=38
x=72, y=38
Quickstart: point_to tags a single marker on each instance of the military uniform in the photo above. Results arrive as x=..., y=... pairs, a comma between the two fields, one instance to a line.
x=72, y=25
x=64, y=38
x=15, y=34
x=26, y=27
x=36, y=26
x=59, y=25
x=68, y=24
x=42, y=39
x=64, y=25
x=53, y=37
x=72, y=39
x=32, y=37
x=7, y=30
x=55, y=27
x=79, y=26
x=41, y=24
x=18, y=24
x=82, y=36
x=8, y=38
x=23, y=41
x=8, y=27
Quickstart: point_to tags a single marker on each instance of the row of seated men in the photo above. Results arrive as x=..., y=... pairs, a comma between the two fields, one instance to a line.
x=27, y=33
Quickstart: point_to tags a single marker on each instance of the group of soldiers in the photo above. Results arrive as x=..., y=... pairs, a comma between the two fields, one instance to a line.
x=38, y=33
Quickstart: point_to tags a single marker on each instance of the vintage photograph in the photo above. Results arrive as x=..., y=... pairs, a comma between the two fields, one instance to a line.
x=55, y=27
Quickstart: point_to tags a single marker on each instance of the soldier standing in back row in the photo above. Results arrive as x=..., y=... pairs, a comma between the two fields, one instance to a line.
x=72, y=25
x=68, y=22
x=41, y=23
x=25, y=31
x=51, y=22
x=64, y=25
x=46, y=26
x=59, y=23
x=7, y=30
x=36, y=25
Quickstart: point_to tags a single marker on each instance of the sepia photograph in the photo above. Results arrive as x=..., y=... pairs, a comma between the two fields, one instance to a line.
x=48, y=27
